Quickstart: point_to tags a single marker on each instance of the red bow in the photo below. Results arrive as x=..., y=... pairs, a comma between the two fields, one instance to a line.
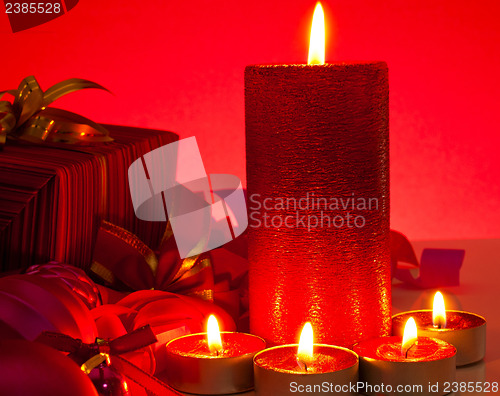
x=91, y=353
x=126, y=263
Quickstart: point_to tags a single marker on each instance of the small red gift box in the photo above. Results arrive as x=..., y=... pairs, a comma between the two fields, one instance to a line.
x=52, y=198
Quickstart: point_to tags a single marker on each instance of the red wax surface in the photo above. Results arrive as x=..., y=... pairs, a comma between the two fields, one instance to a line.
x=234, y=344
x=318, y=132
x=389, y=348
x=326, y=359
x=455, y=320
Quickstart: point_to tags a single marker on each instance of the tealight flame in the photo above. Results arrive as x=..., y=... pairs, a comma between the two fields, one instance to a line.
x=213, y=335
x=439, y=311
x=305, y=350
x=317, y=39
x=409, y=336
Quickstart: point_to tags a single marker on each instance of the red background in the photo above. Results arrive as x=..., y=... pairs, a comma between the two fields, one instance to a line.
x=178, y=65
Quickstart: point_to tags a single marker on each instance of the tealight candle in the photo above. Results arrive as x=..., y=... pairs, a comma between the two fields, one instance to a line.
x=213, y=362
x=304, y=367
x=408, y=364
x=465, y=330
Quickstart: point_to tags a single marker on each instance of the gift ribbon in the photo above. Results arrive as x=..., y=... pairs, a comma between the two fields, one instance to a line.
x=29, y=119
x=437, y=268
x=102, y=350
x=151, y=384
x=130, y=342
x=126, y=263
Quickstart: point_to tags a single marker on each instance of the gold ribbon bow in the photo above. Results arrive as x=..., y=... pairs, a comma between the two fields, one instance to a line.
x=29, y=119
x=125, y=263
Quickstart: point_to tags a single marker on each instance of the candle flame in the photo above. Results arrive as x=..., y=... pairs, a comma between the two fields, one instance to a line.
x=439, y=311
x=305, y=350
x=317, y=39
x=409, y=336
x=213, y=335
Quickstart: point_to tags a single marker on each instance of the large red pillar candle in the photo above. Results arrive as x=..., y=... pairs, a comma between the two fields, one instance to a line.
x=317, y=148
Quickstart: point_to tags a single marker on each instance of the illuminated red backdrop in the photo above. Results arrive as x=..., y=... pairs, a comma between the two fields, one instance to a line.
x=178, y=65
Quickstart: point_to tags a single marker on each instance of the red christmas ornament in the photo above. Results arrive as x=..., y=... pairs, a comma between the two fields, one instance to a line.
x=30, y=368
x=107, y=361
x=31, y=304
x=74, y=278
x=108, y=381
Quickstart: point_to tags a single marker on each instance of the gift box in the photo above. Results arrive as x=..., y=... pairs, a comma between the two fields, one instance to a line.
x=54, y=196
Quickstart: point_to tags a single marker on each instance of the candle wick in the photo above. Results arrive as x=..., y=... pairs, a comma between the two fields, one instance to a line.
x=408, y=350
x=302, y=364
x=439, y=325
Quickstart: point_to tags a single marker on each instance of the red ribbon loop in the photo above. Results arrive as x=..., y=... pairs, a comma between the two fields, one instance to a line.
x=125, y=263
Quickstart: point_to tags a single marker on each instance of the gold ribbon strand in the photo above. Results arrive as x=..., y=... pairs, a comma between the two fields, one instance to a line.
x=29, y=119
